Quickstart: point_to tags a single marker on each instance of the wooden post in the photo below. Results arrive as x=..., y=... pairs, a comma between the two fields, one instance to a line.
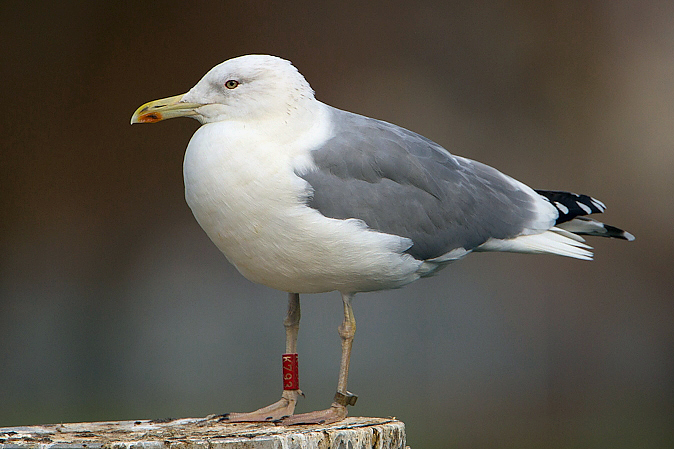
x=193, y=433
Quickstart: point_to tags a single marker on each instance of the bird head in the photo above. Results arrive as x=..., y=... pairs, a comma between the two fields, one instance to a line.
x=251, y=87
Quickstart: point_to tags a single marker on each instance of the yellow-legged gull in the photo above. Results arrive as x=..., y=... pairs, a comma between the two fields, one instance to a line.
x=306, y=198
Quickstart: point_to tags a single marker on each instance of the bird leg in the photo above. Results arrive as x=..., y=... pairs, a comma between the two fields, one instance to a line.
x=291, y=392
x=337, y=410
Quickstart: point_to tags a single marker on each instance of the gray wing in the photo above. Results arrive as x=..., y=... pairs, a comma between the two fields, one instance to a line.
x=401, y=183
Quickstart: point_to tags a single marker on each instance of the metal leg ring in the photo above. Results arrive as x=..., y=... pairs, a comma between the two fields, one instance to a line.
x=345, y=399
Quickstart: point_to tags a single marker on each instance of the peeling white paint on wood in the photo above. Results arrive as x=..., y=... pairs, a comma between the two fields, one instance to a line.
x=200, y=433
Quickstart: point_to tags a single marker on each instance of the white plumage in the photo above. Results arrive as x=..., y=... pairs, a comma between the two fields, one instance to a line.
x=305, y=198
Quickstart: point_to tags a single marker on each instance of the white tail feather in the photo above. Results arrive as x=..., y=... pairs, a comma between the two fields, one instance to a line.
x=567, y=233
x=554, y=241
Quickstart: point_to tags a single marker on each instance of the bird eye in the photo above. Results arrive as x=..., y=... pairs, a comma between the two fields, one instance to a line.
x=231, y=84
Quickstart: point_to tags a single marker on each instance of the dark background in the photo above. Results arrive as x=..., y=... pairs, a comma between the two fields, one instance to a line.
x=115, y=305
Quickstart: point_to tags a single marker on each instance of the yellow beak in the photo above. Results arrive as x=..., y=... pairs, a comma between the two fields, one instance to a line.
x=166, y=108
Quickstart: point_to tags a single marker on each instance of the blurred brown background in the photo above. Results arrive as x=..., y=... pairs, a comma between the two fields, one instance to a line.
x=114, y=304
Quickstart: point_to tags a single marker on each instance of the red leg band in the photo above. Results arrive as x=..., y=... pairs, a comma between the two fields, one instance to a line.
x=291, y=372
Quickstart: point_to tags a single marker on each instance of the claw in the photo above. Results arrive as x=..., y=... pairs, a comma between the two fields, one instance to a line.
x=335, y=413
x=276, y=411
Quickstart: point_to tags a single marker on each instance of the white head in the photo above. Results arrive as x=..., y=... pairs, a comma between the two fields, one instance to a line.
x=251, y=87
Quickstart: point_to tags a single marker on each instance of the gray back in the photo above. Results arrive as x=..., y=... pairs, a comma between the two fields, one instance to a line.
x=401, y=183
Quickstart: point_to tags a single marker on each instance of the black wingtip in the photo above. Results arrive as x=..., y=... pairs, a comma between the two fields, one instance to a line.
x=618, y=233
x=572, y=205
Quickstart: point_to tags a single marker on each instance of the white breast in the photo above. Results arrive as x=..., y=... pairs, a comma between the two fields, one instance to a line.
x=241, y=185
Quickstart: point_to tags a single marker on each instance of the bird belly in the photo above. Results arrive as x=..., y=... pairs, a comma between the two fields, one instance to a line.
x=253, y=207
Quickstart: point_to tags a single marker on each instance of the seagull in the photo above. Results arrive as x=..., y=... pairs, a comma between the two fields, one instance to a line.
x=306, y=198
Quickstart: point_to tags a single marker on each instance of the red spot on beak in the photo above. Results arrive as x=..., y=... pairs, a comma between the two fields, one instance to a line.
x=151, y=117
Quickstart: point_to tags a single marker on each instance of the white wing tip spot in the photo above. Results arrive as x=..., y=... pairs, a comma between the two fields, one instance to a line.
x=598, y=204
x=561, y=207
x=586, y=208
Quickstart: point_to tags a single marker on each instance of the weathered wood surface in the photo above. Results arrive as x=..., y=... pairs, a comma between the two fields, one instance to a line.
x=192, y=433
